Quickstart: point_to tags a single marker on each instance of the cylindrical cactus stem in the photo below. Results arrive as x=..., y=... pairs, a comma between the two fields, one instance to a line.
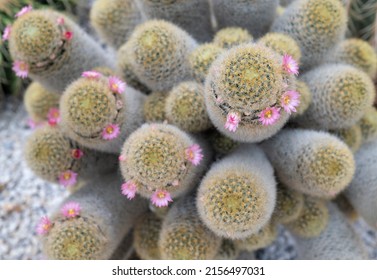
x=100, y=112
x=185, y=107
x=368, y=125
x=355, y=52
x=184, y=236
x=221, y=144
x=158, y=53
x=263, y=238
x=230, y=37
x=352, y=136
x=154, y=107
x=362, y=192
x=250, y=92
x=53, y=50
x=312, y=162
x=55, y=158
x=316, y=25
x=193, y=16
x=289, y=204
x=282, y=44
x=38, y=102
x=254, y=15
x=146, y=235
x=227, y=251
x=237, y=196
x=312, y=220
x=338, y=241
x=201, y=58
x=340, y=96
x=161, y=162
x=126, y=70
x=92, y=222
x=115, y=20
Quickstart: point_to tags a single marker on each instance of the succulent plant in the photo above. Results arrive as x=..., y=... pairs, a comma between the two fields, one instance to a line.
x=229, y=37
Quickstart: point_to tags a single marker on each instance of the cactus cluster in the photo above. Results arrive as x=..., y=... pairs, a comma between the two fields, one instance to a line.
x=200, y=128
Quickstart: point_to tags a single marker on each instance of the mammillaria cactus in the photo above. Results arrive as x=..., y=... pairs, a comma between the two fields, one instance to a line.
x=316, y=25
x=184, y=236
x=227, y=251
x=222, y=144
x=95, y=214
x=201, y=58
x=368, y=125
x=338, y=241
x=312, y=220
x=229, y=37
x=115, y=20
x=340, y=93
x=193, y=16
x=264, y=237
x=362, y=192
x=100, y=112
x=158, y=51
x=146, y=235
x=154, y=107
x=254, y=15
x=52, y=49
x=250, y=92
x=357, y=53
x=56, y=158
x=38, y=102
x=305, y=98
x=352, y=136
x=312, y=162
x=161, y=162
x=185, y=107
x=237, y=196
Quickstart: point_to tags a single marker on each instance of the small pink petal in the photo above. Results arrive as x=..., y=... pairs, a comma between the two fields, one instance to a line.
x=68, y=178
x=53, y=116
x=290, y=65
x=71, y=209
x=60, y=21
x=77, y=153
x=290, y=100
x=110, y=132
x=33, y=124
x=44, y=225
x=6, y=33
x=21, y=69
x=232, y=121
x=116, y=85
x=161, y=198
x=194, y=154
x=269, y=116
x=68, y=35
x=24, y=11
x=129, y=189
x=91, y=74
x=122, y=158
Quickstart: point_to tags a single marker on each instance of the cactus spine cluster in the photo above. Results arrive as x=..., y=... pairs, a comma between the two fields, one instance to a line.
x=229, y=37
x=237, y=196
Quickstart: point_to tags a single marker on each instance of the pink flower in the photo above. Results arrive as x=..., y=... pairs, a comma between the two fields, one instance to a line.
x=67, y=178
x=44, y=225
x=24, y=10
x=21, y=69
x=6, y=33
x=77, y=153
x=91, y=74
x=232, y=121
x=68, y=35
x=33, y=124
x=122, y=158
x=194, y=154
x=269, y=116
x=53, y=116
x=116, y=85
x=60, y=21
x=161, y=198
x=110, y=132
x=129, y=189
x=290, y=65
x=71, y=209
x=290, y=100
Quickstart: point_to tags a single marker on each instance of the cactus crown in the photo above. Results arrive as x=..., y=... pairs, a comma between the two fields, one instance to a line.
x=232, y=36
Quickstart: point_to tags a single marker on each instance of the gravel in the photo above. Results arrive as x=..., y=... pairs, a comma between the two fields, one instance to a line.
x=24, y=198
